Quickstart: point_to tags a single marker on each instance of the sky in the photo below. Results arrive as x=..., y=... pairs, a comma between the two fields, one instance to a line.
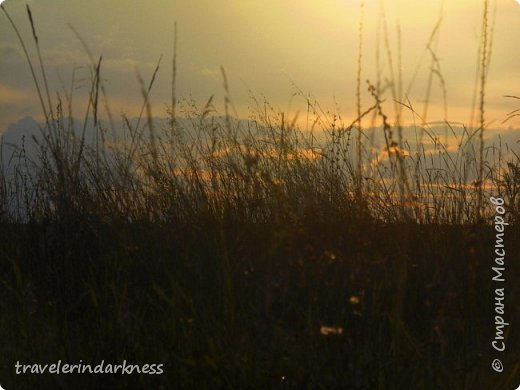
x=269, y=49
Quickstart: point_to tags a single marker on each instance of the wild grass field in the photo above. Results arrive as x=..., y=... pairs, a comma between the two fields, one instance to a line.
x=253, y=253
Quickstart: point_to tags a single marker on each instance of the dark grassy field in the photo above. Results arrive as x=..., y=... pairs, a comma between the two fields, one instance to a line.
x=228, y=302
x=252, y=254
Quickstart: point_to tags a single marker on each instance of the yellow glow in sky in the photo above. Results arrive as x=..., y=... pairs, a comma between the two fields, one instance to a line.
x=265, y=46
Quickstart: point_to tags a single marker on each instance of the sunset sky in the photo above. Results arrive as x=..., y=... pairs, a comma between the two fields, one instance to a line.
x=264, y=46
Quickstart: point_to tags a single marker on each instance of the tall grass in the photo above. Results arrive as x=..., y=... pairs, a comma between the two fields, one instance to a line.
x=225, y=247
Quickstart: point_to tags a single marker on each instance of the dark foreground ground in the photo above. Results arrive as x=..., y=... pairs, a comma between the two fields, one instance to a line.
x=231, y=303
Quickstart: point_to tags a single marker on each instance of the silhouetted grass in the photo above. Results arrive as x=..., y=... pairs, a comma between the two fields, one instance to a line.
x=242, y=254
